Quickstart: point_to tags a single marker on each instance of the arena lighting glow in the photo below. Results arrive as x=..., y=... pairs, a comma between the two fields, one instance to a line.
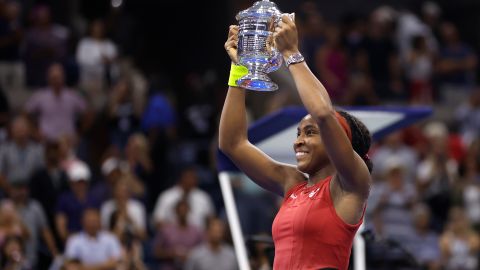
x=117, y=3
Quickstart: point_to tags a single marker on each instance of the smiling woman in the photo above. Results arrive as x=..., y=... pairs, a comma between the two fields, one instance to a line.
x=321, y=213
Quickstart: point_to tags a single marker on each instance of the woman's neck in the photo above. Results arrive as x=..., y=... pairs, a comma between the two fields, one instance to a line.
x=323, y=173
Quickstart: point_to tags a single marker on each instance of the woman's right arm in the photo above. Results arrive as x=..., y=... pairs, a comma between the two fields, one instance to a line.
x=233, y=141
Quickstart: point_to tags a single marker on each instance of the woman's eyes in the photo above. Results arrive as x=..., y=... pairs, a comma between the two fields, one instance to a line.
x=307, y=132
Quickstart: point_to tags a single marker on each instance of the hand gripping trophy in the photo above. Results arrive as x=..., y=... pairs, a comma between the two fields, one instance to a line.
x=256, y=49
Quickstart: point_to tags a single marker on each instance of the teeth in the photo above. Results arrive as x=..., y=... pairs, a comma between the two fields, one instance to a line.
x=299, y=154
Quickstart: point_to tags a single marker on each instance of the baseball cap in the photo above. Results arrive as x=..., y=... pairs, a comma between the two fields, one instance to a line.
x=110, y=164
x=78, y=170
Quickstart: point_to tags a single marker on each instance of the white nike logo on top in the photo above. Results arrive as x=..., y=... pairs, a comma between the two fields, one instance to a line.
x=313, y=193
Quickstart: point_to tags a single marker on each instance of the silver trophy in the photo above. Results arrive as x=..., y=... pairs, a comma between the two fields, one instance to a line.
x=256, y=49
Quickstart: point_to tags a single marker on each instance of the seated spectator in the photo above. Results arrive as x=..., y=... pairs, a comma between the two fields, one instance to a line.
x=391, y=201
x=137, y=156
x=48, y=183
x=12, y=256
x=393, y=145
x=215, y=253
x=72, y=203
x=32, y=215
x=95, y=55
x=459, y=243
x=130, y=214
x=11, y=223
x=113, y=170
x=174, y=240
x=468, y=116
x=423, y=243
x=437, y=173
x=56, y=108
x=20, y=157
x=124, y=229
x=93, y=247
x=201, y=206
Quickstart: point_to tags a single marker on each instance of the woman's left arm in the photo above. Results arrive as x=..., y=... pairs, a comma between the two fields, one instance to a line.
x=352, y=170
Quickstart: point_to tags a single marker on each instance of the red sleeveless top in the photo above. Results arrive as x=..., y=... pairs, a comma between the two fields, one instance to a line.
x=308, y=233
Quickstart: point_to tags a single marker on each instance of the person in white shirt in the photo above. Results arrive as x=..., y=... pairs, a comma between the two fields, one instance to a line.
x=95, y=55
x=201, y=206
x=132, y=211
x=93, y=247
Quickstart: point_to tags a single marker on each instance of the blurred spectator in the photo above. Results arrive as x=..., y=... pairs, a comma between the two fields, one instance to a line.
x=12, y=71
x=45, y=44
x=20, y=157
x=71, y=264
x=331, y=63
x=124, y=118
x=408, y=28
x=114, y=170
x=455, y=67
x=261, y=251
x=468, y=116
x=391, y=201
x=130, y=214
x=311, y=30
x=360, y=91
x=137, y=156
x=174, y=241
x=201, y=206
x=431, y=16
x=459, y=243
x=198, y=119
x=12, y=256
x=4, y=115
x=49, y=182
x=11, y=223
x=382, y=57
x=96, y=55
x=436, y=173
x=33, y=216
x=160, y=126
x=423, y=244
x=215, y=253
x=393, y=146
x=124, y=229
x=419, y=70
x=72, y=203
x=93, y=247
x=56, y=107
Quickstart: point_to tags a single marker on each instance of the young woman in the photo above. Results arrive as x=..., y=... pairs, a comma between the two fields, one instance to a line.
x=326, y=193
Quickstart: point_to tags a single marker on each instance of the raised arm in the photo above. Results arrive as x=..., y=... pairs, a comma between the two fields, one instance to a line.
x=352, y=171
x=233, y=140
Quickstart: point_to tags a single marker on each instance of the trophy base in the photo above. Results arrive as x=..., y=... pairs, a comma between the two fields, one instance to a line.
x=257, y=82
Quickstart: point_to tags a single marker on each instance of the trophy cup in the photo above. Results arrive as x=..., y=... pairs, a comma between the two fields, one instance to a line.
x=256, y=50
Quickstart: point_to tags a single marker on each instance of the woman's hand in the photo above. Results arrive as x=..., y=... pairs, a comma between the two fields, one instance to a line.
x=231, y=44
x=286, y=36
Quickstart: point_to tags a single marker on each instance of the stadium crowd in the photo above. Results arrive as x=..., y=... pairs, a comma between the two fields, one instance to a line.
x=103, y=166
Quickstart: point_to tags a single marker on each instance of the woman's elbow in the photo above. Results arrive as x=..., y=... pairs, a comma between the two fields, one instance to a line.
x=322, y=112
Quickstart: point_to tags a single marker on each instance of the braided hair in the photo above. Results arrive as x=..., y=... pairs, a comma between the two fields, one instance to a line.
x=361, y=137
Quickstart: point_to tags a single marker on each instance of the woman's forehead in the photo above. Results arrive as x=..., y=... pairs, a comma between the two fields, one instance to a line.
x=307, y=120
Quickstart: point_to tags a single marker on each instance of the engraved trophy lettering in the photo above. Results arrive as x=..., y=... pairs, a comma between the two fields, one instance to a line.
x=256, y=50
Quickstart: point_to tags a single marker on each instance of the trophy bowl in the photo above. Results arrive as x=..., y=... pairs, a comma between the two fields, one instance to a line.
x=256, y=50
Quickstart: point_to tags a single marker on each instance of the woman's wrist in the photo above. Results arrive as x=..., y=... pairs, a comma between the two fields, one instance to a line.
x=236, y=72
